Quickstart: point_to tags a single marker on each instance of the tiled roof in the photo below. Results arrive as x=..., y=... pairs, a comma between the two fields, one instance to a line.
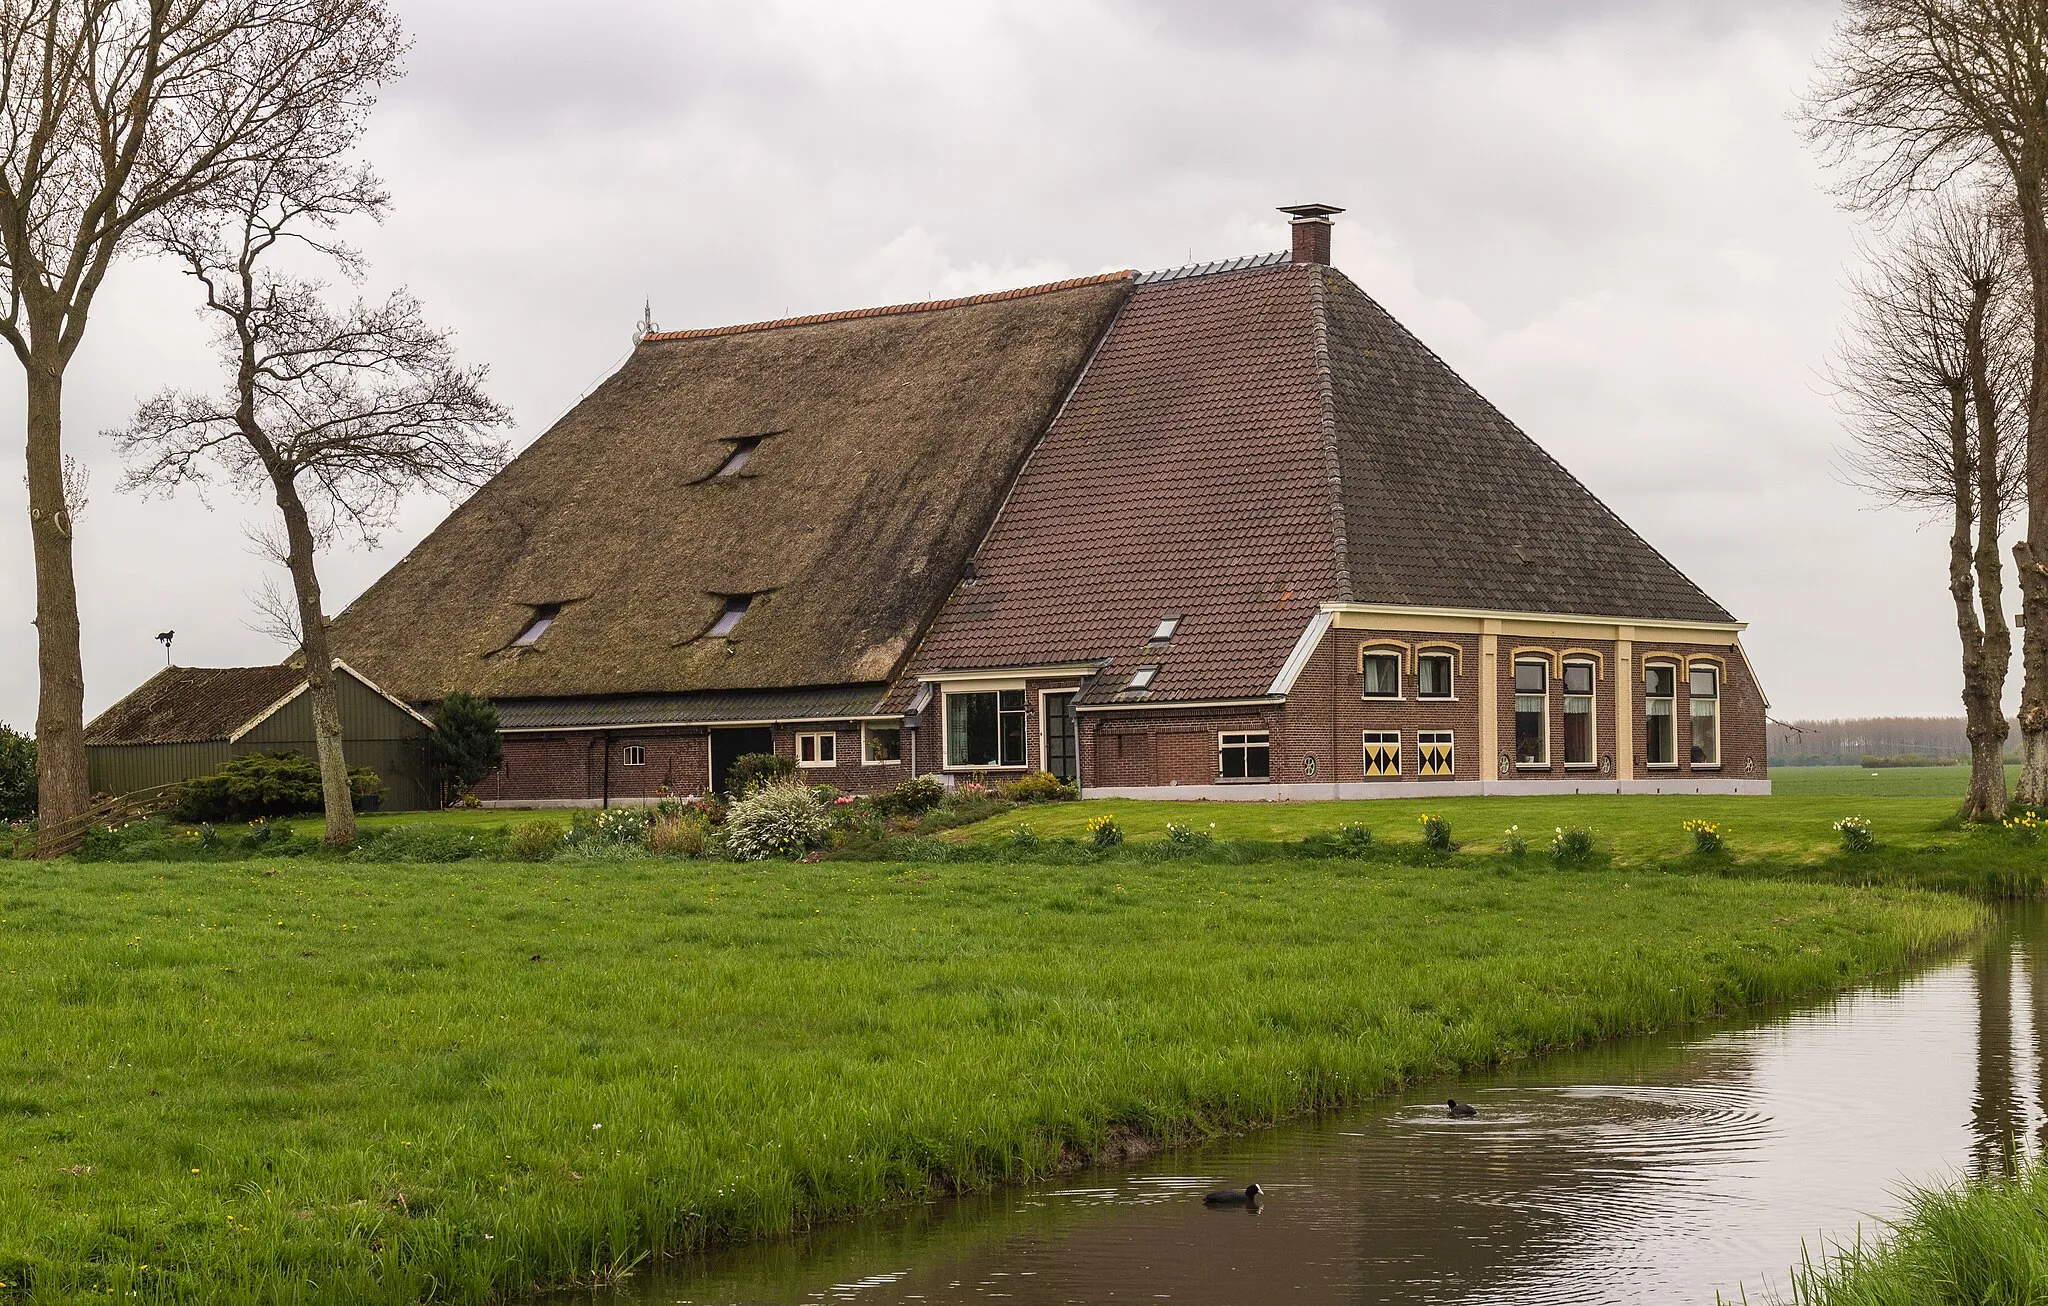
x=187, y=705
x=1254, y=438
x=1215, y=267
x=839, y=703
x=1447, y=503
x=1187, y=474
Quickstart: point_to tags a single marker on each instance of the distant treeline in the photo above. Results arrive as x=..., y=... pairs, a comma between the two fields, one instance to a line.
x=1872, y=741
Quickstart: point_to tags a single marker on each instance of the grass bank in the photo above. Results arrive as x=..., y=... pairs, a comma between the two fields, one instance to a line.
x=332, y=1082
x=1986, y=1241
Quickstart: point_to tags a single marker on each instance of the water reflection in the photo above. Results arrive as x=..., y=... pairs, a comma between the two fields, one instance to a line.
x=1661, y=1169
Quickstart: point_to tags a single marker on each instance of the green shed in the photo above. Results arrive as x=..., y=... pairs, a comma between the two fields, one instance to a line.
x=183, y=722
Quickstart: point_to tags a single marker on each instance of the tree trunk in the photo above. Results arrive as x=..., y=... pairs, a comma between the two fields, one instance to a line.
x=2032, y=552
x=334, y=790
x=60, y=709
x=1987, y=644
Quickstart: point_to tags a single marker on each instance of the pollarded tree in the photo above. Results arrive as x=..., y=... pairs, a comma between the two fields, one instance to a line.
x=336, y=414
x=1917, y=96
x=111, y=110
x=1933, y=374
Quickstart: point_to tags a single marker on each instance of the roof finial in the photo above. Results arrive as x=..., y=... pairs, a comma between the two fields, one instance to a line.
x=646, y=326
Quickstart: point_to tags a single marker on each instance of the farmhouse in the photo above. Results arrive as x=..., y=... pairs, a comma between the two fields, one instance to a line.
x=1225, y=531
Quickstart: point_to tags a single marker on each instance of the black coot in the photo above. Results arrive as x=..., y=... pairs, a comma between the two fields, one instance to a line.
x=1462, y=1110
x=1245, y=1196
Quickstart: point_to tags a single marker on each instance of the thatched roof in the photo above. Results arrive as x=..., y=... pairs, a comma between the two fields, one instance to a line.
x=190, y=705
x=887, y=439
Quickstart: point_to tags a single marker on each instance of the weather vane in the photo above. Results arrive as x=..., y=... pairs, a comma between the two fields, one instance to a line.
x=164, y=637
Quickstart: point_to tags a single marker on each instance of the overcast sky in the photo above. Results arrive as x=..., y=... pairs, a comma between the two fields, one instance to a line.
x=1600, y=213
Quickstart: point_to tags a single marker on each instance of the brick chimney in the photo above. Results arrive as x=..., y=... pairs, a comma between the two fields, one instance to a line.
x=1311, y=231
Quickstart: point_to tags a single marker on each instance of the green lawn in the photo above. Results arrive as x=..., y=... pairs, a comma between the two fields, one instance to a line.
x=1909, y=808
x=332, y=1082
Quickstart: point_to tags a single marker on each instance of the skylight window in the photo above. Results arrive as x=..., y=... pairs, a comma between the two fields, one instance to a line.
x=1142, y=678
x=736, y=606
x=742, y=451
x=1164, y=630
x=543, y=617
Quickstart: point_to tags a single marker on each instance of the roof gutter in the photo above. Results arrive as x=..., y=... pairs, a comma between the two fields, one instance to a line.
x=1504, y=614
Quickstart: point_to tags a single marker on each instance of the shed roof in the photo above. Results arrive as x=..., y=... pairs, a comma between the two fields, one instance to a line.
x=831, y=703
x=189, y=705
x=886, y=440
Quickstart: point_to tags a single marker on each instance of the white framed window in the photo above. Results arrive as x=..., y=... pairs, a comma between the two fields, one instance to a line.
x=1532, y=713
x=881, y=743
x=742, y=453
x=1435, y=754
x=1382, y=754
x=633, y=755
x=1703, y=688
x=1379, y=673
x=1434, y=674
x=984, y=728
x=1660, y=714
x=543, y=617
x=1581, y=744
x=736, y=606
x=1244, y=755
x=1142, y=678
x=817, y=750
x=1165, y=629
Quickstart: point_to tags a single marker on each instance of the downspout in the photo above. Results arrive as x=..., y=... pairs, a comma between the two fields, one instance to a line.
x=604, y=741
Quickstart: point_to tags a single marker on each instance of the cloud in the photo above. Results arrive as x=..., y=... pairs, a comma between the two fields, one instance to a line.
x=1598, y=211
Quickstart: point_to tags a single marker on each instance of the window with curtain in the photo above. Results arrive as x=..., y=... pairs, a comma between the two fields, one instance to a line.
x=985, y=728
x=1704, y=689
x=1660, y=714
x=1579, y=742
x=1532, y=714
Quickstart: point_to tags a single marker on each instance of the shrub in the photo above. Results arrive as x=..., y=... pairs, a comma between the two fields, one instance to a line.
x=1436, y=833
x=679, y=836
x=465, y=746
x=970, y=806
x=911, y=798
x=2025, y=828
x=1187, y=839
x=263, y=785
x=1515, y=842
x=780, y=819
x=750, y=771
x=17, y=775
x=1354, y=839
x=1038, y=787
x=1856, y=834
x=1104, y=832
x=1024, y=838
x=1571, y=847
x=1706, y=835
x=536, y=841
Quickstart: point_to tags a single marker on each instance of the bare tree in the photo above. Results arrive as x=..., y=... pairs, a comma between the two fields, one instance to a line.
x=1915, y=96
x=110, y=110
x=336, y=415
x=1932, y=375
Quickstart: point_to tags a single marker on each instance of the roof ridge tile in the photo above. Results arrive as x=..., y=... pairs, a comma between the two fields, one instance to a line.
x=888, y=310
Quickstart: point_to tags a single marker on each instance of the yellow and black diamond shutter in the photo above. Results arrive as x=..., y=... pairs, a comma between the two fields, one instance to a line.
x=1382, y=754
x=1433, y=755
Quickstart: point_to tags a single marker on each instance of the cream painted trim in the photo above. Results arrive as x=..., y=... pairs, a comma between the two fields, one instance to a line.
x=1593, y=655
x=1399, y=647
x=1017, y=674
x=1514, y=623
x=1489, y=698
x=1719, y=662
x=374, y=688
x=1304, y=649
x=1548, y=657
x=1624, y=710
x=1255, y=792
x=266, y=713
x=815, y=735
x=672, y=725
x=867, y=724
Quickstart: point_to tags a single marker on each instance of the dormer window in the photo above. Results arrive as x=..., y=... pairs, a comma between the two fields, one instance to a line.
x=736, y=606
x=1143, y=677
x=543, y=616
x=1164, y=630
x=742, y=450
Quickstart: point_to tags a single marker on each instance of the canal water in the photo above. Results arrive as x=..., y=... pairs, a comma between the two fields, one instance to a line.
x=1664, y=1169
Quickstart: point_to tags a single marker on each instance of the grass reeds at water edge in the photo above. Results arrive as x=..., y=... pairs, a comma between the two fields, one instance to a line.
x=334, y=1082
x=1985, y=1241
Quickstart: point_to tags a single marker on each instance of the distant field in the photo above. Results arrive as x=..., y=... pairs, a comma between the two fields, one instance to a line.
x=1884, y=782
